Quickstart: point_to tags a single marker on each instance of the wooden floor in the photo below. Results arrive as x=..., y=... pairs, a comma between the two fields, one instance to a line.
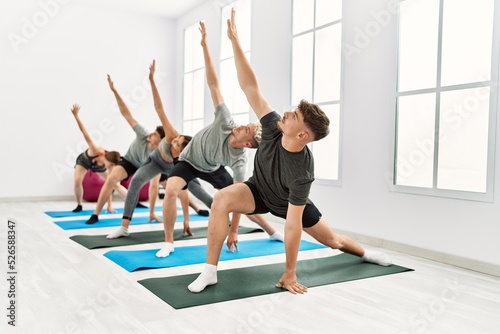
x=63, y=287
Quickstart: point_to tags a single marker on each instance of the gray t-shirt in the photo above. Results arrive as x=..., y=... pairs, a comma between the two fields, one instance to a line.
x=139, y=151
x=210, y=149
x=165, y=148
x=280, y=176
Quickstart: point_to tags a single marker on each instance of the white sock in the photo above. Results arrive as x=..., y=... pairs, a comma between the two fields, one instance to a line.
x=121, y=232
x=277, y=236
x=377, y=258
x=207, y=277
x=165, y=251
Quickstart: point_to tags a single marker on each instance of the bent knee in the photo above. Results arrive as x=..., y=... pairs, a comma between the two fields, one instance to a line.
x=221, y=201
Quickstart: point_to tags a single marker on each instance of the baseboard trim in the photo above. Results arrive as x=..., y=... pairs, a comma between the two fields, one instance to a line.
x=457, y=261
x=36, y=199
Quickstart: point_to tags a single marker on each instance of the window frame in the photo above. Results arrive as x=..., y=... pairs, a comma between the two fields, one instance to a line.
x=323, y=181
x=488, y=195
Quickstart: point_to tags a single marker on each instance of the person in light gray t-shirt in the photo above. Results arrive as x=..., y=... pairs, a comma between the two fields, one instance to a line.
x=218, y=145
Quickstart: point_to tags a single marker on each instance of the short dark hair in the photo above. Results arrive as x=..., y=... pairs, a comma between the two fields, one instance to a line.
x=187, y=139
x=315, y=119
x=160, y=130
x=112, y=156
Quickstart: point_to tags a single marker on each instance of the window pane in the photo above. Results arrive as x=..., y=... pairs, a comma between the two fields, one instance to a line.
x=415, y=138
x=418, y=38
x=243, y=17
x=303, y=15
x=188, y=49
x=326, y=150
x=467, y=38
x=463, y=145
x=228, y=82
x=327, y=64
x=198, y=93
x=328, y=11
x=190, y=128
x=241, y=119
x=302, y=65
x=188, y=96
x=233, y=95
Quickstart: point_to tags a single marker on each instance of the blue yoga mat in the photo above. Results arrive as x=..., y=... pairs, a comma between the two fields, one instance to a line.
x=80, y=224
x=182, y=256
x=62, y=214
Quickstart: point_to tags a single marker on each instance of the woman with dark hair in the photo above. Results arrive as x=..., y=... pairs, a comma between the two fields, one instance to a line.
x=95, y=159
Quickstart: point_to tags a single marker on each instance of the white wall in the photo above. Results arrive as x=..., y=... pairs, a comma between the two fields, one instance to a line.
x=56, y=53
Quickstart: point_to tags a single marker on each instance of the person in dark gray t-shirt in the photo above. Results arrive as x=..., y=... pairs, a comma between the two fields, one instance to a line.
x=283, y=174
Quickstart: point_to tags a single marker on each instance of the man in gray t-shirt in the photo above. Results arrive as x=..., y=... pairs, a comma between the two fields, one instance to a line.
x=218, y=145
x=283, y=174
x=138, y=152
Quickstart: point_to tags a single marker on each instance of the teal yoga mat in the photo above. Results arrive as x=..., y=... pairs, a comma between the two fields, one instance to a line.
x=100, y=241
x=260, y=280
x=145, y=259
x=80, y=224
x=62, y=214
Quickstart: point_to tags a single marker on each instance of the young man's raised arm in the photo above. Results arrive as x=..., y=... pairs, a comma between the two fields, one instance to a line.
x=246, y=76
x=75, y=110
x=121, y=105
x=212, y=79
x=170, y=132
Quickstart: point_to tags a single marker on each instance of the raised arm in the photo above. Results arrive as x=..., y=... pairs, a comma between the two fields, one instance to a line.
x=246, y=76
x=212, y=79
x=170, y=131
x=121, y=105
x=93, y=149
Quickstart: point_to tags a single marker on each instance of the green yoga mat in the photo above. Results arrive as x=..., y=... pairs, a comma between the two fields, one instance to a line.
x=260, y=280
x=100, y=241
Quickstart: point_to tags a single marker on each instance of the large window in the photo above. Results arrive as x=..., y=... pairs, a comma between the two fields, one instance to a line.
x=317, y=73
x=446, y=98
x=233, y=96
x=194, y=81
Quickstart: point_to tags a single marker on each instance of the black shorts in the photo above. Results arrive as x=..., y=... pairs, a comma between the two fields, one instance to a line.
x=86, y=163
x=218, y=179
x=163, y=177
x=310, y=216
x=128, y=166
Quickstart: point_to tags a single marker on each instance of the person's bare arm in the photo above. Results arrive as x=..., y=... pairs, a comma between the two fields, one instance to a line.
x=93, y=149
x=170, y=131
x=124, y=110
x=293, y=234
x=246, y=76
x=211, y=74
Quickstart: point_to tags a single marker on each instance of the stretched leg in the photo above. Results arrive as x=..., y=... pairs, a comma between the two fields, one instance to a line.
x=121, y=190
x=273, y=234
x=234, y=198
x=184, y=197
x=325, y=235
x=197, y=190
x=145, y=173
x=174, y=187
x=114, y=177
x=80, y=172
x=154, y=185
x=104, y=176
